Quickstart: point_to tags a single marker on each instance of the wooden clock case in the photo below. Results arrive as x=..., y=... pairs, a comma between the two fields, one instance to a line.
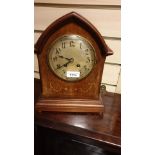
x=62, y=96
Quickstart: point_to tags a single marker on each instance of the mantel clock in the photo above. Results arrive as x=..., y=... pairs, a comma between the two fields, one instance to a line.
x=71, y=55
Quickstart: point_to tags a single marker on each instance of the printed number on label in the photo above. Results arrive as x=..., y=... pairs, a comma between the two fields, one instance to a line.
x=73, y=74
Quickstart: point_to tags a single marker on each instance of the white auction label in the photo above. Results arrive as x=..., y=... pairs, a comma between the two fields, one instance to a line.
x=73, y=74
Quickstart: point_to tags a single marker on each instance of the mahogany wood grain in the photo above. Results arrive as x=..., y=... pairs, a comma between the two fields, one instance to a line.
x=63, y=96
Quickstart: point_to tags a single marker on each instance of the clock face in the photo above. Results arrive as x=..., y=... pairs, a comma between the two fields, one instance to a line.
x=71, y=57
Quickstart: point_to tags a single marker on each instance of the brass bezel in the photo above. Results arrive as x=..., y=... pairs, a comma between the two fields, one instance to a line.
x=71, y=35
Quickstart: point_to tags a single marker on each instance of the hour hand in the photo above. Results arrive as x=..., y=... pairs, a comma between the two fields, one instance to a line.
x=65, y=65
x=60, y=56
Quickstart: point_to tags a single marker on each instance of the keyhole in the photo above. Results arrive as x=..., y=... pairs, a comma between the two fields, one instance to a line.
x=78, y=65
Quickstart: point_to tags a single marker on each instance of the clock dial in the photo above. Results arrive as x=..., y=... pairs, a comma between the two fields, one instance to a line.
x=71, y=57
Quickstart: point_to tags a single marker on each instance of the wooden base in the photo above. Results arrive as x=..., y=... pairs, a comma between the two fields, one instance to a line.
x=70, y=105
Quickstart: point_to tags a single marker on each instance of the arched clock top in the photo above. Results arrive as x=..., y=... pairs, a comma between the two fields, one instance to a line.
x=73, y=17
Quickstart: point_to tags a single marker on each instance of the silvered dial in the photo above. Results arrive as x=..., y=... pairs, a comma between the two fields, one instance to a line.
x=71, y=57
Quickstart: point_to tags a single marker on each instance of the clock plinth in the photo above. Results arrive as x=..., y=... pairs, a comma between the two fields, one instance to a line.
x=71, y=55
x=70, y=105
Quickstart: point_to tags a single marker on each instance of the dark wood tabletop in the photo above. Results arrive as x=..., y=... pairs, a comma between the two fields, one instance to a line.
x=103, y=130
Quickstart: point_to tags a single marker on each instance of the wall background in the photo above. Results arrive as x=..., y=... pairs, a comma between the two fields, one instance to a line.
x=103, y=14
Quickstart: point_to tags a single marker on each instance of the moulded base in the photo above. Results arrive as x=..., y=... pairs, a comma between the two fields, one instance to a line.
x=70, y=105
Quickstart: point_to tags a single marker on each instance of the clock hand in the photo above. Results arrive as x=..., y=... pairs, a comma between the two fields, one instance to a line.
x=60, y=56
x=69, y=61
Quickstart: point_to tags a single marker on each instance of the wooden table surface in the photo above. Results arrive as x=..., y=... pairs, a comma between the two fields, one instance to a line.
x=102, y=130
